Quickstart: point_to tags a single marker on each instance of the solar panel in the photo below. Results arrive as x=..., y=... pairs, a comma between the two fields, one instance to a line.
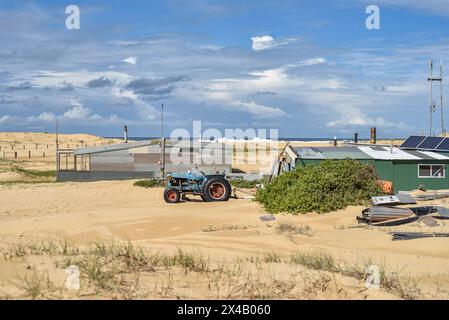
x=430, y=143
x=443, y=146
x=412, y=142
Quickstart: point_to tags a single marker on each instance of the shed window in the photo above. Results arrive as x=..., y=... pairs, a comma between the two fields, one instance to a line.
x=431, y=171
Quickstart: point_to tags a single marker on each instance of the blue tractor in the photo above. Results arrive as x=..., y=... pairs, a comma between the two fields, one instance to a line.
x=210, y=187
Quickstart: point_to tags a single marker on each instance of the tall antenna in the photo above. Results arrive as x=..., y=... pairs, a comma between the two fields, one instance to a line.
x=432, y=105
x=431, y=79
x=443, y=130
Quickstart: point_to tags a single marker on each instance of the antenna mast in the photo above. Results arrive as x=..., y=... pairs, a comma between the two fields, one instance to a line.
x=443, y=130
x=431, y=79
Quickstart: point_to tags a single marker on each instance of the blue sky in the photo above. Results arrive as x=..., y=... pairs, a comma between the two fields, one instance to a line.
x=307, y=68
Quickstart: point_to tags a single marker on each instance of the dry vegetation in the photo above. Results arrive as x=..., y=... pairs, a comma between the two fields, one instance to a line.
x=121, y=270
x=290, y=228
x=29, y=157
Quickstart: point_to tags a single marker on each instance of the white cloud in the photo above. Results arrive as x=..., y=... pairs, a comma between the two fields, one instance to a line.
x=306, y=63
x=313, y=61
x=357, y=121
x=78, y=112
x=78, y=79
x=130, y=60
x=268, y=42
x=262, y=43
x=233, y=93
x=47, y=116
x=258, y=110
x=4, y=119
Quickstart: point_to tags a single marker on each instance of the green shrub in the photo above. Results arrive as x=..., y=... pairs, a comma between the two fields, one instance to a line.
x=147, y=183
x=332, y=185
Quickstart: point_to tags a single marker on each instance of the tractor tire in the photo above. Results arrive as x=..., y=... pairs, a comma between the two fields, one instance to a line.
x=217, y=189
x=172, y=195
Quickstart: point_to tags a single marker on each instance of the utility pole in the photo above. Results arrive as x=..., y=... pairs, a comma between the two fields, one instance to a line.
x=162, y=120
x=57, y=145
x=162, y=143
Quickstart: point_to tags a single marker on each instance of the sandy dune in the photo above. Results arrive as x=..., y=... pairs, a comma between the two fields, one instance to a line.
x=37, y=151
x=223, y=231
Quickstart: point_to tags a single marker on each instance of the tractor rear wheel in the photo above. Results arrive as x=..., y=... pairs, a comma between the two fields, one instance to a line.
x=172, y=195
x=217, y=189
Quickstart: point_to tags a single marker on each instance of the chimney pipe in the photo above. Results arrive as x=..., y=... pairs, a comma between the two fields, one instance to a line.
x=125, y=133
x=356, y=137
x=335, y=141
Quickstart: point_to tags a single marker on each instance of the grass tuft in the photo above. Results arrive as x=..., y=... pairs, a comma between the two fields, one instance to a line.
x=35, y=285
x=315, y=260
x=147, y=183
x=291, y=228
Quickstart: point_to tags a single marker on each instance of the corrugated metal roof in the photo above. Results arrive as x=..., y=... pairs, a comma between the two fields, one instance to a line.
x=388, y=153
x=435, y=155
x=344, y=153
x=112, y=147
x=421, y=155
x=331, y=153
x=154, y=147
x=309, y=153
x=367, y=153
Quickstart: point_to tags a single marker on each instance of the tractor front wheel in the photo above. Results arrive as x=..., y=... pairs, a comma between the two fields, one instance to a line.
x=217, y=189
x=172, y=195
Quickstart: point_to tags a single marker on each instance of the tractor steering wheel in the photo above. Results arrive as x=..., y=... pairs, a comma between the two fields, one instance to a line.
x=196, y=167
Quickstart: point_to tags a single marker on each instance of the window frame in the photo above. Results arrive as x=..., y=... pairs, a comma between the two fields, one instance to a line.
x=431, y=170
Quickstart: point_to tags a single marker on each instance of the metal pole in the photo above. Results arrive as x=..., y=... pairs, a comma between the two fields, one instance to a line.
x=443, y=133
x=162, y=120
x=57, y=145
x=163, y=158
x=162, y=143
x=431, y=98
x=431, y=79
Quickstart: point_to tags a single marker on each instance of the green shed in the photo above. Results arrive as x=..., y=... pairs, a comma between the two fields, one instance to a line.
x=406, y=169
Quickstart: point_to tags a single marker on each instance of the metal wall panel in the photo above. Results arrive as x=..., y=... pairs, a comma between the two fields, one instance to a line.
x=112, y=167
x=86, y=176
